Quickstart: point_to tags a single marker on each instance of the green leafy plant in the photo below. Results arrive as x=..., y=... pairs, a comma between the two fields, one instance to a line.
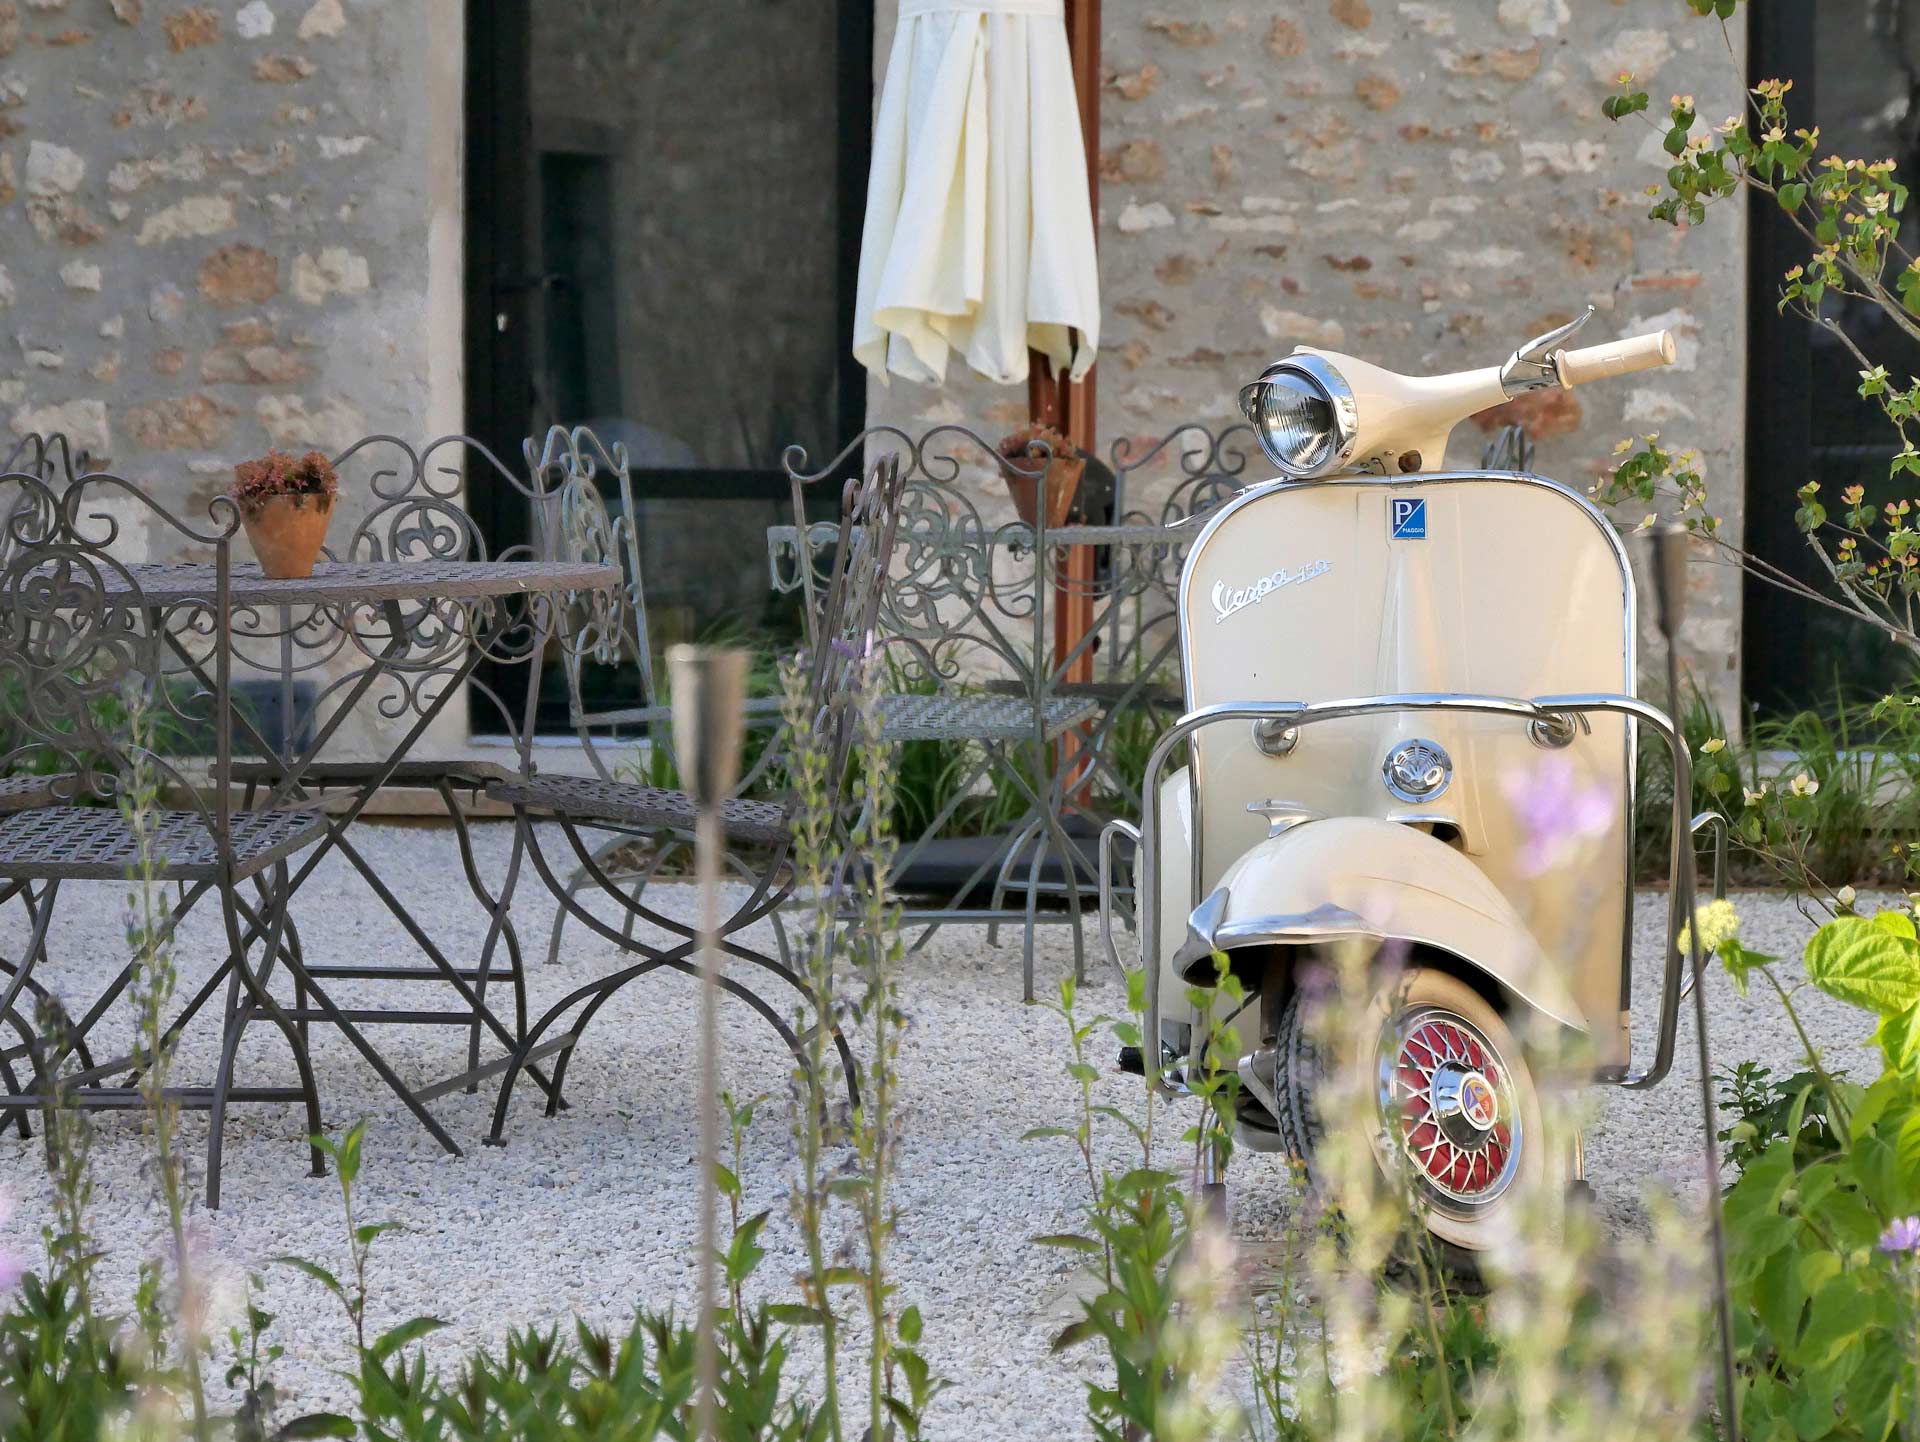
x=1820, y=1260
x=394, y=1390
x=1765, y=1110
x=1163, y=1255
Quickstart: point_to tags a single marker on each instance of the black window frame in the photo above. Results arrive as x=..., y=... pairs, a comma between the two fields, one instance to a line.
x=498, y=281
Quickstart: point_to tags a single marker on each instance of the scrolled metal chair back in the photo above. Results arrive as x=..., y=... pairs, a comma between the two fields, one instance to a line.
x=417, y=499
x=50, y=459
x=1212, y=468
x=957, y=596
x=84, y=649
x=845, y=630
x=576, y=526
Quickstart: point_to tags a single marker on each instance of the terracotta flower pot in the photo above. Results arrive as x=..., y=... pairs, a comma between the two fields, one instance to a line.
x=286, y=533
x=1062, y=477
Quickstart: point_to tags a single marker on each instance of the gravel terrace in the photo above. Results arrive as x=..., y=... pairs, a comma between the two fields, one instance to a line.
x=594, y=1211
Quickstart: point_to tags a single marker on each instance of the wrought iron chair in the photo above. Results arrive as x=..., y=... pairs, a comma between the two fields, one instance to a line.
x=758, y=833
x=52, y=459
x=642, y=730
x=89, y=649
x=966, y=625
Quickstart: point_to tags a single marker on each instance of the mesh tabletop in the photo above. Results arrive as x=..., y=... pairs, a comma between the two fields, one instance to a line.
x=172, y=583
x=980, y=717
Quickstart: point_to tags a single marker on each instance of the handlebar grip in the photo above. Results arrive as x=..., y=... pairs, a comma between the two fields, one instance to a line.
x=1615, y=358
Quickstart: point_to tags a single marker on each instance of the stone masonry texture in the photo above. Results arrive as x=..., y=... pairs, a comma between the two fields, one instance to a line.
x=216, y=233
x=223, y=226
x=1419, y=183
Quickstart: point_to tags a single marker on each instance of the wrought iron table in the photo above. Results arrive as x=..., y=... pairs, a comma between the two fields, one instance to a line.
x=421, y=627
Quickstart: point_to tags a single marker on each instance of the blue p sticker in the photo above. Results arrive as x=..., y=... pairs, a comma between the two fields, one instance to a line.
x=1409, y=519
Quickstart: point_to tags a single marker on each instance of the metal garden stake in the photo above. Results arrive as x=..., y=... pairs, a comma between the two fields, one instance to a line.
x=1670, y=546
x=709, y=696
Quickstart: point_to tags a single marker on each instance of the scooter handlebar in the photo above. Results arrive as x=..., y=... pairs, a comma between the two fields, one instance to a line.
x=1615, y=358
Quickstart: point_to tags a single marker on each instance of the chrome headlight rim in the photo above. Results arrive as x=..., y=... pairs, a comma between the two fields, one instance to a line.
x=1333, y=389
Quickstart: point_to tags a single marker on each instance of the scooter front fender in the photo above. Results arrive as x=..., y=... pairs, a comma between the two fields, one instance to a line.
x=1366, y=878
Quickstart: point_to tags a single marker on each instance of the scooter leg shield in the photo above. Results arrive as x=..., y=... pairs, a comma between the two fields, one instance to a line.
x=1369, y=880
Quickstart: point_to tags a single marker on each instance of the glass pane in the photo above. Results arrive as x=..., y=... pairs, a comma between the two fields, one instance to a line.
x=683, y=249
x=1861, y=93
x=686, y=187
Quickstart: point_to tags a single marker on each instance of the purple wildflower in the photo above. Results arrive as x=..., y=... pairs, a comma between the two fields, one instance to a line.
x=1556, y=812
x=1902, y=1236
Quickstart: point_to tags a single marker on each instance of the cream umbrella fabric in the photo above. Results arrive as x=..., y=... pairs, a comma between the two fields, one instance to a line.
x=979, y=230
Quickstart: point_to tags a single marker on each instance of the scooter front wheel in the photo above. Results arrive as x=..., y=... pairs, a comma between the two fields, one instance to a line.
x=1457, y=1117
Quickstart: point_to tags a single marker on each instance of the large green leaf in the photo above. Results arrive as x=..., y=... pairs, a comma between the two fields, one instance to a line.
x=1897, y=922
x=1853, y=959
x=1899, y=1038
x=1836, y=1329
x=1780, y=1296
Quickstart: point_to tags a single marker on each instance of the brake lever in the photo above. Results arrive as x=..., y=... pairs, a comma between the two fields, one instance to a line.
x=1533, y=367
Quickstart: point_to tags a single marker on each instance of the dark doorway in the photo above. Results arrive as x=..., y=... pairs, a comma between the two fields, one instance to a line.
x=1857, y=76
x=663, y=229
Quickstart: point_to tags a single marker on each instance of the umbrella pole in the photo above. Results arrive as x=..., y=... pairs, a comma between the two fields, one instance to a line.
x=1054, y=400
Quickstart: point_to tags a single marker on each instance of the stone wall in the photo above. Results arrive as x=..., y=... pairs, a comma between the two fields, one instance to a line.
x=1422, y=184
x=228, y=227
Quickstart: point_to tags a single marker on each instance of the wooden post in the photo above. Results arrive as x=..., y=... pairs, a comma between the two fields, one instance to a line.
x=1053, y=399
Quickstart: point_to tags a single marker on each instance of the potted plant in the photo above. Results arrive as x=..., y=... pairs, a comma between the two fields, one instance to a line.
x=1027, y=451
x=285, y=503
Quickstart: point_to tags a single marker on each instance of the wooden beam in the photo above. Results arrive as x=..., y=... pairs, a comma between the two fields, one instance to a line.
x=1067, y=405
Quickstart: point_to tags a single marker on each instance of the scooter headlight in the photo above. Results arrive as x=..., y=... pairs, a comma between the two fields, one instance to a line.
x=1303, y=414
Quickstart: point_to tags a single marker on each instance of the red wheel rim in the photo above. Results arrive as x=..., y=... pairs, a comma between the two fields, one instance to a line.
x=1447, y=1097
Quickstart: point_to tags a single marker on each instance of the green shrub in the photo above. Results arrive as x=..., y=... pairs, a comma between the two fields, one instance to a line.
x=1823, y=1222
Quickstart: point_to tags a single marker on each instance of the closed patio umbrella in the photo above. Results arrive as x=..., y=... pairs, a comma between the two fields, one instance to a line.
x=979, y=225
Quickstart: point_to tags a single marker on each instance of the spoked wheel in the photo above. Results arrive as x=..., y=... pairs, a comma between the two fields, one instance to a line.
x=1459, y=1115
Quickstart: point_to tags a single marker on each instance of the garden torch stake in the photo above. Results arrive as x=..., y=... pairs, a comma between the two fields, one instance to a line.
x=1670, y=545
x=709, y=696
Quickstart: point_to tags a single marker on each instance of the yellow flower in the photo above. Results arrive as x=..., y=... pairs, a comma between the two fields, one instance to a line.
x=1719, y=923
x=1713, y=744
x=1623, y=447
x=1803, y=785
x=1753, y=798
x=1647, y=521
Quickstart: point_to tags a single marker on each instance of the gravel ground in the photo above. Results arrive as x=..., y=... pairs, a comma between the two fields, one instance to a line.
x=594, y=1211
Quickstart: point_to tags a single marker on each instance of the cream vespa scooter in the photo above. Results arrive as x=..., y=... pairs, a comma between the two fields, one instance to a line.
x=1376, y=650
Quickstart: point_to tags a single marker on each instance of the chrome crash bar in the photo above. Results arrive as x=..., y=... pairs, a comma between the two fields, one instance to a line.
x=1541, y=710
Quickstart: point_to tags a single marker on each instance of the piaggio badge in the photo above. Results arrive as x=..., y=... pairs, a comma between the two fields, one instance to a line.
x=1409, y=517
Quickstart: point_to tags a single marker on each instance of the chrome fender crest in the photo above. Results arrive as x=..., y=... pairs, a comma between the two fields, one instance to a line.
x=1227, y=600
